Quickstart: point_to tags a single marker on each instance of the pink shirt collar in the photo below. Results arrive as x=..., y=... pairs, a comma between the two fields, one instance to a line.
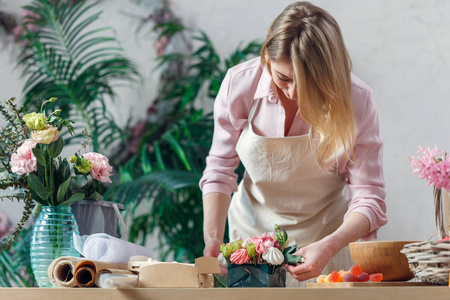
x=266, y=87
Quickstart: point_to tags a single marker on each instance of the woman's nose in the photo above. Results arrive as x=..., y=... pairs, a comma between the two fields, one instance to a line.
x=291, y=90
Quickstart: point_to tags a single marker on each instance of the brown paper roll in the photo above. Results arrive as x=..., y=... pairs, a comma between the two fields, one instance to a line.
x=61, y=270
x=86, y=270
x=84, y=276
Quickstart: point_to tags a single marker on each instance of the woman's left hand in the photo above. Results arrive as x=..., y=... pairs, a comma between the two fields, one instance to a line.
x=316, y=257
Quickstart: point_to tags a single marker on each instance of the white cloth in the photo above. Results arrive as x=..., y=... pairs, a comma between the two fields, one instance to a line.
x=284, y=185
x=103, y=247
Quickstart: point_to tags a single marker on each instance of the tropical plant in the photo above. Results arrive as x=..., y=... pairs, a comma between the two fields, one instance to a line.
x=64, y=57
x=15, y=265
x=170, y=159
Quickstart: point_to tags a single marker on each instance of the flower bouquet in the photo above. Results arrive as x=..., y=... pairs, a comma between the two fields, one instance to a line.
x=258, y=261
x=31, y=165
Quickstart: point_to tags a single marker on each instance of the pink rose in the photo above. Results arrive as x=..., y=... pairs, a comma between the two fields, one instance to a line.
x=240, y=256
x=23, y=160
x=101, y=170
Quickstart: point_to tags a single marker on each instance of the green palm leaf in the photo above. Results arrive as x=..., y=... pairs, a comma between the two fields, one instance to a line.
x=67, y=58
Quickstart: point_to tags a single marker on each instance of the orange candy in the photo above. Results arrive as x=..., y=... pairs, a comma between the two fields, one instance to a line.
x=354, y=274
x=334, y=277
x=321, y=278
x=377, y=277
x=356, y=270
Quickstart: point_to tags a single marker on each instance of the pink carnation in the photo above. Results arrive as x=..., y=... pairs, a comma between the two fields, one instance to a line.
x=23, y=160
x=240, y=256
x=101, y=170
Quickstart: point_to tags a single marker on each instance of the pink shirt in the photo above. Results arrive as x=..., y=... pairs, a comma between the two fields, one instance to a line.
x=249, y=81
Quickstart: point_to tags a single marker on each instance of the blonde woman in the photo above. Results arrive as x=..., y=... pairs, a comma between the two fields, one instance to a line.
x=307, y=133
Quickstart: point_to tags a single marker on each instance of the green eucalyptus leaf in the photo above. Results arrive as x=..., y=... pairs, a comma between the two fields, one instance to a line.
x=55, y=147
x=40, y=156
x=62, y=190
x=36, y=185
x=74, y=198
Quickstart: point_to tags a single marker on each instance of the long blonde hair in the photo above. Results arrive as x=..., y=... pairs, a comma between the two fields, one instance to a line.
x=310, y=38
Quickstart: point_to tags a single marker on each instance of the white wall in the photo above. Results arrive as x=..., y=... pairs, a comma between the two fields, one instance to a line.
x=400, y=48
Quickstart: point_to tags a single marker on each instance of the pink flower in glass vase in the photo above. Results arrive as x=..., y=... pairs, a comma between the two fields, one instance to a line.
x=23, y=160
x=240, y=256
x=101, y=170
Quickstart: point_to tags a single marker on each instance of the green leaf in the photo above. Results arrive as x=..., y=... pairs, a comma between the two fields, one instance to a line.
x=289, y=257
x=80, y=181
x=178, y=150
x=285, y=235
x=36, y=185
x=40, y=156
x=37, y=209
x=56, y=147
x=62, y=190
x=95, y=196
x=74, y=198
x=36, y=197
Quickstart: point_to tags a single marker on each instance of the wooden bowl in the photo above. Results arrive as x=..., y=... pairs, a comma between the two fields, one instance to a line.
x=382, y=257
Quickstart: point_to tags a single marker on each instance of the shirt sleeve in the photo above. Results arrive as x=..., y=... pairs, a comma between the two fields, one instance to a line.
x=219, y=175
x=365, y=171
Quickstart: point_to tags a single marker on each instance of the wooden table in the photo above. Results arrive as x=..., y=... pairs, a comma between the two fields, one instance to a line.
x=364, y=293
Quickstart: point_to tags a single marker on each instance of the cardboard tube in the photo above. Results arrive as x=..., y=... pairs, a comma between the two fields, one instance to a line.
x=61, y=270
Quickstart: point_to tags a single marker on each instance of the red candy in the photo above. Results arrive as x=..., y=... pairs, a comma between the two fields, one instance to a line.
x=349, y=277
x=364, y=277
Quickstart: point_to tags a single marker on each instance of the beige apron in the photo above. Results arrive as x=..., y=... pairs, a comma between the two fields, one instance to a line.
x=284, y=185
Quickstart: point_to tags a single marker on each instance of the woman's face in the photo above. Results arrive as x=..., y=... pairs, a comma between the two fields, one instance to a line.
x=283, y=76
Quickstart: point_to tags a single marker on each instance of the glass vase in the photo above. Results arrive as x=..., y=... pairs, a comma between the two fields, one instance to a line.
x=52, y=237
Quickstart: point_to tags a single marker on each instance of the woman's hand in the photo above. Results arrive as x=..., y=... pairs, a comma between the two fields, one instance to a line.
x=212, y=248
x=316, y=256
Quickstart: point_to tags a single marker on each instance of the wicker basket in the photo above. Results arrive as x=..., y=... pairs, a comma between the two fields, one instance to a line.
x=430, y=260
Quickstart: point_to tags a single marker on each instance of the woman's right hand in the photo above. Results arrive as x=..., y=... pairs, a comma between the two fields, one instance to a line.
x=212, y=248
